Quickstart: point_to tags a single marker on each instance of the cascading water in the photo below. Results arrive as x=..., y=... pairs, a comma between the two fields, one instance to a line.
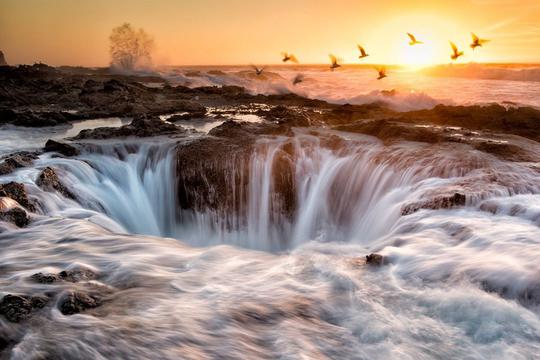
x=350, y=192
x=463, y=281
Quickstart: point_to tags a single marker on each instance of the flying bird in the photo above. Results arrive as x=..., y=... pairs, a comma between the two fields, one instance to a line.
x=289, y=57
x=413, y=40
x=456, y=52
x=258, y=70
x=334, y=61
x=363, y=53
x=298, y=79
x=476, y=41
x=382, y=73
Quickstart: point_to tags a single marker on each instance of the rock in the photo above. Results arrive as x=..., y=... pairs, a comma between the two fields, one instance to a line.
x=61, y=148
x=75, y=302
x=73, y=275
x=19, y=307
x=48, y=180
x=3, y=61
x=141, y=126
x=17, y=192
x=440, y=202
x=285, y=115
x=387, y=130
x=374, y=259
x=16, y=216
x=17, y=160
x=44, y=278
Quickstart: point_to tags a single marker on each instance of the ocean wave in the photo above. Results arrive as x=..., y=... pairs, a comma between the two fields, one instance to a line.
x=486, y=72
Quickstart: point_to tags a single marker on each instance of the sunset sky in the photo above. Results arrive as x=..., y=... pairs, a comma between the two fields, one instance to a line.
x=212, y=32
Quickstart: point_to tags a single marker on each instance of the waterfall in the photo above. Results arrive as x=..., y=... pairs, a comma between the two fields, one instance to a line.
x=298, y=189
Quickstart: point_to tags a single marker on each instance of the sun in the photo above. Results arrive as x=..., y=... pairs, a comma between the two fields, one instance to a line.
x=434, y=30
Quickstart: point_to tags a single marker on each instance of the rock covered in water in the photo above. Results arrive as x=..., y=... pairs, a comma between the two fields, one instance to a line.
x=16, y=308
x=141, y=126
x=73, y=276
x=16, y=215
x=48, y=180
x=75, y=302
x=375, y=259
x=17, y=192
x=61, y=148
x=440, y=202
x=17, y=160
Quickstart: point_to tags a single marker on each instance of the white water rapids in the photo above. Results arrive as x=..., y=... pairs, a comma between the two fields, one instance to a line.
x=460, y=283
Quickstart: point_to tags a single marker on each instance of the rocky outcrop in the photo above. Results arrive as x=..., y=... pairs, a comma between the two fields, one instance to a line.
x=522, y=121
x=3, y=61
x=17, y=308
x=394, y=131
x=15, y=215
x=75, y=302
x=73, y=276
x=28, y=118
x=17, y=192
x=213, y=172
x=375, y=259
x=140, y=127
x=439, y=202
x=61, y=148
x=17, y=160
x=48, y=180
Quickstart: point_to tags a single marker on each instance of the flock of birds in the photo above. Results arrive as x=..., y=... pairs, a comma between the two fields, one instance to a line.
x=334, y=61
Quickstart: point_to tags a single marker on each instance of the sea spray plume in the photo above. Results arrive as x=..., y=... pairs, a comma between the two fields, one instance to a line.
x=3, y=61
x=476, y=41
x=363, y=53
x=130, y=48
x=382, y=73
x=334, y=61
x=289, y=57
x=413, y=40
x=455, y=52
x=258, y=70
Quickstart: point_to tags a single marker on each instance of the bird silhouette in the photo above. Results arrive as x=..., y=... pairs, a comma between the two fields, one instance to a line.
x=476, y=41
x=298, y=79
x=456, y=53
x=363, y=53
x=289, y=57
x=413, y=40
x=258, y=70
x=334, y=61
x=382, y=73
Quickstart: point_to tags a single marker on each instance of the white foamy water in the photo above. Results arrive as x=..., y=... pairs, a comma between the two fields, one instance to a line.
x=355, y=85
x=261, y=283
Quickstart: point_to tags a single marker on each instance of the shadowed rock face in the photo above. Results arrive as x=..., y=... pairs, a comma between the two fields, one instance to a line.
x=3, y=61
x=214, y=172
x=16, y=308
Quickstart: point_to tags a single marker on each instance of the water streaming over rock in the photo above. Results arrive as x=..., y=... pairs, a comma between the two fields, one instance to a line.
x=462, y=280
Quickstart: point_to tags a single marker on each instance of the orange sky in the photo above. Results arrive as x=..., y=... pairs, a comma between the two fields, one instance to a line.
x=71, y=32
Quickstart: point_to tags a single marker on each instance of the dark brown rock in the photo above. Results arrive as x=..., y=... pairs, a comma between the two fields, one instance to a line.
x=19, y=307
x=140, y=127
x=16, y=216
x=48, y=180
x=62, y=148
x=440, y=202
x=17, y=160
x=73, y=275
x=76, y=302
x=374, y=259
x=17, y=192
